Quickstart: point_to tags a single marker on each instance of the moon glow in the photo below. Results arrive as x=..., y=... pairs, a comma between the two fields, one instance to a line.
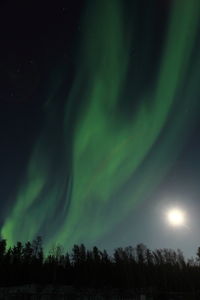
x=176, y=217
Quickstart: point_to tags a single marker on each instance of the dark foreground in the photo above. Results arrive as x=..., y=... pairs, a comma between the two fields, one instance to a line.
x=34, y=292
x=136, y=273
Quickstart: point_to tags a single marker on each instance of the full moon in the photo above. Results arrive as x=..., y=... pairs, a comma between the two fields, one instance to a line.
x=176, y=217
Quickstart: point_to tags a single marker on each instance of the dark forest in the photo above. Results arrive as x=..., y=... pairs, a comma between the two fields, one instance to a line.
x=137, y=268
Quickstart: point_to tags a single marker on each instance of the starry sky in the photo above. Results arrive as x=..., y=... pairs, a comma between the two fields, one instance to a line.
x=99, y=114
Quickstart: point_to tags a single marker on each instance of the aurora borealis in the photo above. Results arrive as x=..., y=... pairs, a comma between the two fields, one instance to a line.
x=112, y=132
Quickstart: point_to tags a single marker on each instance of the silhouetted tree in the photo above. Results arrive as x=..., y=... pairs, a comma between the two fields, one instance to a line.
x=136, y=268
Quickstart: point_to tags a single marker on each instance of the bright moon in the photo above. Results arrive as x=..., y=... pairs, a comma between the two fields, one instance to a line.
x=176, y=217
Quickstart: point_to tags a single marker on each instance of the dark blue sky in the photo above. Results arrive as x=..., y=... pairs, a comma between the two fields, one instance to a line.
x=38, y=57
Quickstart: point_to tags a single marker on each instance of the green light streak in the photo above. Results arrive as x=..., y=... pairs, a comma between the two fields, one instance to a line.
x=107, y=150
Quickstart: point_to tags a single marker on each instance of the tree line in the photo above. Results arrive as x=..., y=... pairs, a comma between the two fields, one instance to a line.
x=137, y=268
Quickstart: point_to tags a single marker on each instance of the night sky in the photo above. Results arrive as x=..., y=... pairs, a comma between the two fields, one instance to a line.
x=99, y=122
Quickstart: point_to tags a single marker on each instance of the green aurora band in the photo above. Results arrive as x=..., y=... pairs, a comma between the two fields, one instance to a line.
x=115, y=161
